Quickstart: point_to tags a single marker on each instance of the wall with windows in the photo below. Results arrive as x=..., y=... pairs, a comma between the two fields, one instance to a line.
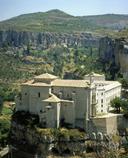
x=37, y=94
x=80, y=96
x=106, y=93
x=101, y=101
x=31, y=98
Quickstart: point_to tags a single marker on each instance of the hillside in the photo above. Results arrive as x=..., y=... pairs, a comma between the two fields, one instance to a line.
x=112, y=21
x=51, y=21
x=34, y=43
x=58, y=21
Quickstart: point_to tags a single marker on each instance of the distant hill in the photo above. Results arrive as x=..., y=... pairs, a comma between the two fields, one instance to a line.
x=113, y=21
x=59, y=21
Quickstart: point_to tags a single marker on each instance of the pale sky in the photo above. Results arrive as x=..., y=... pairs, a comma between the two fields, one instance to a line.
x=11, y=8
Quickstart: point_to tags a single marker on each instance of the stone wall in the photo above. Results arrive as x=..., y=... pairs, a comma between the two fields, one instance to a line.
x=108, y=124
x=31, y=98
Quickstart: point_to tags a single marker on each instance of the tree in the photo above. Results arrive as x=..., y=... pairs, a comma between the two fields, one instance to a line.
x=124, y=83
x=117, y=104
x=125, y=106
x=1, y=104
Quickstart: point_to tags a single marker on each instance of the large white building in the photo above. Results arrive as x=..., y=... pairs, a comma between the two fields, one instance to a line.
x=105, y=91
x=71, y=103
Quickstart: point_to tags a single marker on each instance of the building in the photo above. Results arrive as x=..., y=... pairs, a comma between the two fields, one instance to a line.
x=105, y=91
x=70, y=103
x=95, y=77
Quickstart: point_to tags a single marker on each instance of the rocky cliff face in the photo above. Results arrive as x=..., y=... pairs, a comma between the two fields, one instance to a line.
x=115, y=51
x=43, y=143
x=27, y=137
x=45, y=39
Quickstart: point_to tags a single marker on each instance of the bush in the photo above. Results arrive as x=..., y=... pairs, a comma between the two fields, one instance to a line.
x=116, y=103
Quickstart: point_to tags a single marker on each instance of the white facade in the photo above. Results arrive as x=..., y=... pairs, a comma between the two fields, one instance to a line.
x=105, y=92
x=60, y=102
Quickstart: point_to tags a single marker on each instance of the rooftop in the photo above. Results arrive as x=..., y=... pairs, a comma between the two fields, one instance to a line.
x=52, y=99
x=38, y=84
x=95, y=74
x=46, y=76
x=70, y=83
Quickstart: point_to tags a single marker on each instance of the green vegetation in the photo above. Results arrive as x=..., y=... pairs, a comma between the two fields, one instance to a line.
x=124, y=82
x=32, y=122
x=119, y=104
x=5, y=123
x=116, y=103
x=59, y=60
x=61, y=133
x=52, y=21
x=58, y=21
x=13, y=71
x=1, y=104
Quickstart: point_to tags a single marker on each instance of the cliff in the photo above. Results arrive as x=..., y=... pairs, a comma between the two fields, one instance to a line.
x=27, y=136
x=114, y=52
x=30, y=140
x=44, y=40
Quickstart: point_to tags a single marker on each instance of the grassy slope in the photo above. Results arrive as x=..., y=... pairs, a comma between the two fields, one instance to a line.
x=58, y=21
x=15, y=70
x=5, y=123
x=51, y=21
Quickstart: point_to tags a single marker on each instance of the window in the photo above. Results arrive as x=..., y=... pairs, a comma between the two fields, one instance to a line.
x=102, y=105
x=102, y=93
x=39, y=94
x=101, y=110
x=101, y=100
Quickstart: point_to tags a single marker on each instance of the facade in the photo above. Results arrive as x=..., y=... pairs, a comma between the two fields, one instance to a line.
x=70, y=103
x=105, y=92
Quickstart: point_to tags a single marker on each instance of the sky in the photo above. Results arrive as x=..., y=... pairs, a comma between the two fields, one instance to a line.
x=11, y=8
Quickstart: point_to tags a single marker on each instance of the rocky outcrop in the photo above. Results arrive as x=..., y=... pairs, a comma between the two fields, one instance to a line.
x=44, y=142
x=26, y=135
x=44, y=40
x=115, y=51
x=27, y=138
